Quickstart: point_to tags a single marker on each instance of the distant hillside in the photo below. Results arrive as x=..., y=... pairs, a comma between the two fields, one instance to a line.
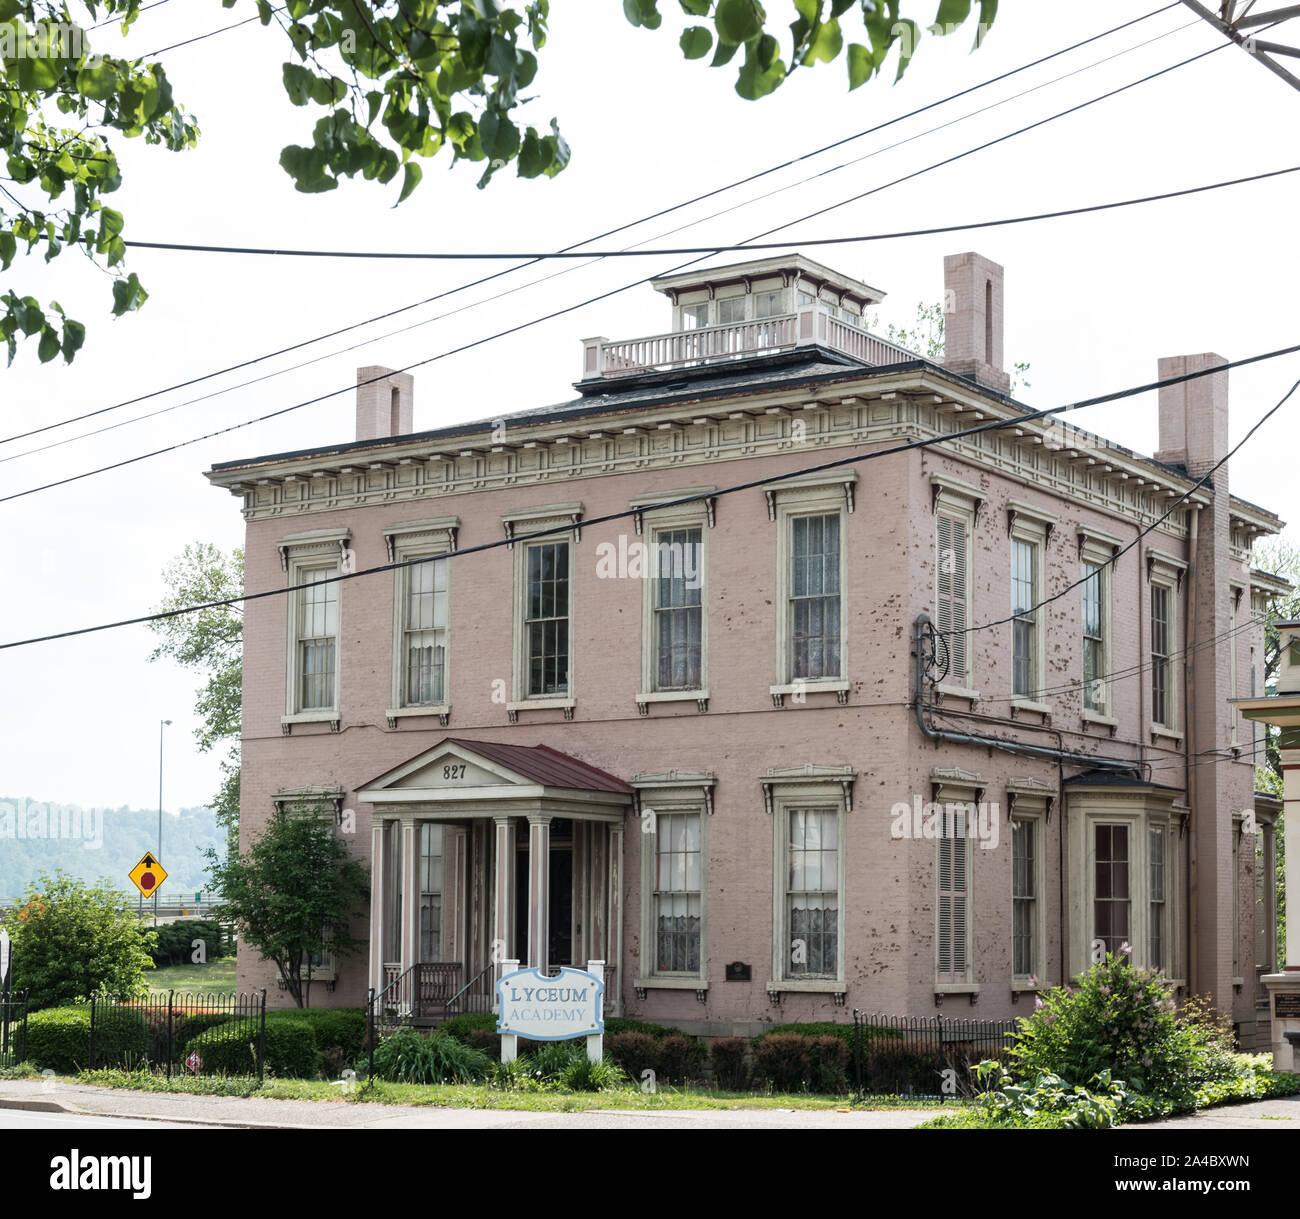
x=43, y=836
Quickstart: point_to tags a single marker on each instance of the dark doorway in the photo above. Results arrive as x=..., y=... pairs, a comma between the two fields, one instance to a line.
x=560, y=944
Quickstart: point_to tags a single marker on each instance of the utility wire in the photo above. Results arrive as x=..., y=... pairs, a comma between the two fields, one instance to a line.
x=603, y=295
x=1200, y=482
x=837, y=463
x=661, y=251
x=608, y=233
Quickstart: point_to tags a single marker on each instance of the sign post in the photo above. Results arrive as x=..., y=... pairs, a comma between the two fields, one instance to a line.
x=561, y=1008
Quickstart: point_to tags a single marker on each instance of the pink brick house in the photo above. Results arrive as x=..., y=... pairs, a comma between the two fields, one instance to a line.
x=750, y=749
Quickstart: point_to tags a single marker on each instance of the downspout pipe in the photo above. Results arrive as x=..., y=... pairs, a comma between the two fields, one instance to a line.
x=919, y=626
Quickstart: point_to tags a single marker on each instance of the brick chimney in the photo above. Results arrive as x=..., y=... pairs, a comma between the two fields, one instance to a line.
x=1194, y=415
x=384, y=402
x=972, y=320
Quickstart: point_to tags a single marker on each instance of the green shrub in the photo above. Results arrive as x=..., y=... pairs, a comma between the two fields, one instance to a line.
x=340, y=1031
x=681, y=1059
x=231, y=1048
x=461, y=1026
x=781, y=1061
x=175, y=944
x=634, y=1052
x=552, y=1058
x=59, y=1037
x=902, y=1071
x=828, y=1062
x=408, y=1057
x=730, y=1063
x=1120, y=1020
x=484, y=1041
x=623, y=1024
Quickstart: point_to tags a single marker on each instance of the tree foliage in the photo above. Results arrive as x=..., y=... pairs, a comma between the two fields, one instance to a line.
x=210, y=642
x=293, y=894
x=72, y=939
x=390, y=83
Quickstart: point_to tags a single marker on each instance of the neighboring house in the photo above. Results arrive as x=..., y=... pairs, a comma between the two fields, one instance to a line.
x=751, y=777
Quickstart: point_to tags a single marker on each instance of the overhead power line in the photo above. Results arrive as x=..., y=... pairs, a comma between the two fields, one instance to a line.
x=351, y=387
x=600, y=236
x=1182, y=499
x=751, y=484
x=661, y=251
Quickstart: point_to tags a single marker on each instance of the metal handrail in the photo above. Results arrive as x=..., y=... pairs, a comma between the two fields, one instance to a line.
x=452, y=1001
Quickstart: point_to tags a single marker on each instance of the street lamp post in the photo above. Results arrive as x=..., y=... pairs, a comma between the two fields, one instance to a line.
x=158, y=853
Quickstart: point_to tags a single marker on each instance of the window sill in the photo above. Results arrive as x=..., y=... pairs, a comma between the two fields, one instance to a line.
x=812, y=985
x=1026, y=704
x=837, y=686
x=957, y=988
x=1096, y=717
x=672, y=696
x=1168, y=734
x=671, y=983
x=947, y=691
x=426, y=710
x=1021, y=986
x=565, y=704
x=310, y=717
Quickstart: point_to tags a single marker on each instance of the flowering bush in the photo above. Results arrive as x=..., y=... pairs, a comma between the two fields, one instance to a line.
x=1123, y=1021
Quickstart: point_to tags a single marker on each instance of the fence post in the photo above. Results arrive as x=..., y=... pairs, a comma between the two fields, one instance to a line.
x=261, y=1041
x=370, y=1037
x=170, y=996
x=22, y=1056
x=92, y=1030
x=857, y=1053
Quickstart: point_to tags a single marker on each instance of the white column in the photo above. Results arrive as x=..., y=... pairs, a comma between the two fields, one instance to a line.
x=614, y=952
x=1291, y=841
x=410, y=894
x=596, y=1042
x=504, y=928
x=377, y=903
x=539, y=889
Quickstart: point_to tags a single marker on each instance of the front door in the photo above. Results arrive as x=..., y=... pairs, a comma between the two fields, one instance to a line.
x=560, y=910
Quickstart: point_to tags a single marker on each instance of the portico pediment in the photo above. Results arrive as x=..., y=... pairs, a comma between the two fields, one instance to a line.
x=480, y=779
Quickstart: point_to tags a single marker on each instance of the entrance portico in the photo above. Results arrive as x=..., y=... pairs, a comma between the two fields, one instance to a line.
x=483, y=852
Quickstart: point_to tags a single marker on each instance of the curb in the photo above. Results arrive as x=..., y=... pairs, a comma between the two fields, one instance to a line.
x=34, y=1106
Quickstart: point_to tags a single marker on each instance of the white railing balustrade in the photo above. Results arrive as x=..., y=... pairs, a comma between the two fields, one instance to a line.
x=710, y=344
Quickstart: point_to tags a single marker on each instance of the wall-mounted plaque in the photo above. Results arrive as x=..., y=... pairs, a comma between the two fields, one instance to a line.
x=1285, y=1005
x=738, y=971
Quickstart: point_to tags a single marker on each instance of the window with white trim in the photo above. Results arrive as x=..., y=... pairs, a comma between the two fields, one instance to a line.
x=1157, y=866
x=424, y=634
x=954, y=906
x=544, y=603
x=1111, y=889
x=431, y=880
x=1162, y=647
x=812, y=894
x=674, y=814
x=809, y=806
x=677, y=893
x=954, y=523
x=812, y=519
x=1026, y=899
x=1025, y=595
x=678, y=608
x=1095, y=596
x=313, y=560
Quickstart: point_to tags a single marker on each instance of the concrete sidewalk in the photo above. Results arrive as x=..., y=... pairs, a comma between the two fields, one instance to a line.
x=253, y=1113
x=1282, y=1113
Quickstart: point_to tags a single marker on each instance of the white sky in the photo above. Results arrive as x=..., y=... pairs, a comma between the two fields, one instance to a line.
x=1091, y=302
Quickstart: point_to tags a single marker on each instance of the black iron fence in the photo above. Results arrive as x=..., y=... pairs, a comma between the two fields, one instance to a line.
x=13, y=1027
x=924, y=1055
x=180, y=1033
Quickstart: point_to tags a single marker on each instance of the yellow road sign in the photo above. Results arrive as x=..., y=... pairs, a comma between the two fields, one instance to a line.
x=147, y=875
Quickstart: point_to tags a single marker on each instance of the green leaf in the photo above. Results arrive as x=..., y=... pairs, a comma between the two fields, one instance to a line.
x=696, y=42
x=410, y=180
x=643, y=13
x=297, y=83
x=48, y=347
x=738, y=20
x=826, y=44
x=862, y=65
x=695, y=8
x=74, y=335
x=724, y=53
x=951, y=13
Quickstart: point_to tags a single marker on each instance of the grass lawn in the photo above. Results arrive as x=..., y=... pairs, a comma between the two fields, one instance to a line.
x=217, y=977
x=478, y=1096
